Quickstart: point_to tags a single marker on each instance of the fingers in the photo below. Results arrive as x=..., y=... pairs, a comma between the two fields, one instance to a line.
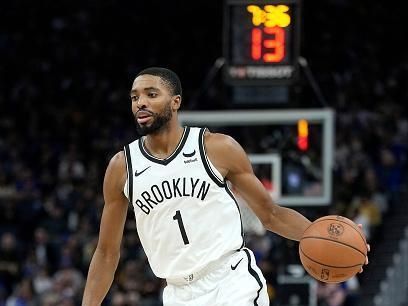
x=361, y=227
x=368, y=248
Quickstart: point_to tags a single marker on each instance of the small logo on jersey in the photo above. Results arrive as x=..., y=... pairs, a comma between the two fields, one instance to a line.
x=189, y=154
x=189, y=278
x=139, y=173
x=236, y=265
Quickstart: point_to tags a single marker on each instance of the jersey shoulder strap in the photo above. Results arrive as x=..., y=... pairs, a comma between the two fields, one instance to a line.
x=128, y=190
x=212, y=172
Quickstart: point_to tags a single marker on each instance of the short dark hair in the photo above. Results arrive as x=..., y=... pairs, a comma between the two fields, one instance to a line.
x=169, y=77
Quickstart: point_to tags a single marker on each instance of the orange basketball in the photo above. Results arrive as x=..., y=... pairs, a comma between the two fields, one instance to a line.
x=333, y=249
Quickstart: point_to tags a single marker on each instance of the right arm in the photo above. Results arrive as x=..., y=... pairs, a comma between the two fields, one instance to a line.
x=106, y=257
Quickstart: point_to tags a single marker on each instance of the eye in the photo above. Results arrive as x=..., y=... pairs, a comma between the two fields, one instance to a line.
x=134, y=98
x=153, y=94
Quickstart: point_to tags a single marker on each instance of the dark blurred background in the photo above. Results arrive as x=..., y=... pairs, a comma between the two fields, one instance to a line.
x=66, y=68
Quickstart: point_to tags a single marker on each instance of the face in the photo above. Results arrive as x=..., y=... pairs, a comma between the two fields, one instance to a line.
x=152, y=104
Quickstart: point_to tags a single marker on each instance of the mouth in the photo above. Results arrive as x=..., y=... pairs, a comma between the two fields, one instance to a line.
x=143, y=117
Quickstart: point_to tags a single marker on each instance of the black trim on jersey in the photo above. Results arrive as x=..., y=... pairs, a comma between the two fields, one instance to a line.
x=172, y=156
x=129, y=169
x=255, y=275
x=239, y=211
x=205, y=161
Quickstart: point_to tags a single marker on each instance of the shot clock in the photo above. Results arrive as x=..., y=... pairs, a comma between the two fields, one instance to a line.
x=261, y=41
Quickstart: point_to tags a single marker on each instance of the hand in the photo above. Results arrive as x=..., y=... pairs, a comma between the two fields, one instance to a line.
x=368, y=249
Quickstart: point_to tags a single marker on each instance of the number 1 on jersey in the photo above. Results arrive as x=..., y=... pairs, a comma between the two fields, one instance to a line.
x=177, y=217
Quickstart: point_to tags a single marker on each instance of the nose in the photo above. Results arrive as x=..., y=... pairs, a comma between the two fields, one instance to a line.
x=141, y=103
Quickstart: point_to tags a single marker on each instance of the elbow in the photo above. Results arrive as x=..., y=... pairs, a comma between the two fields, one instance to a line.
x=270, y=219
x=269, y=223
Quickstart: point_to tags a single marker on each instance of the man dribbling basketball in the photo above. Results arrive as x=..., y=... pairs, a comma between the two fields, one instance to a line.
x=187, y=219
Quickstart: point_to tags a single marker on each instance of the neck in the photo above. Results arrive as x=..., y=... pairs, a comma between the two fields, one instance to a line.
x=163, y=143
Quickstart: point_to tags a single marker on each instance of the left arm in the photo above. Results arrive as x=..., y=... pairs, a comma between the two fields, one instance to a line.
x=231, y=160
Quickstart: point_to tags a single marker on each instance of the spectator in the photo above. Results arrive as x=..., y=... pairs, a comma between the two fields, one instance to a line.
x=45, y=252
x=329, y=294
x=10, y=261
x=23, y=295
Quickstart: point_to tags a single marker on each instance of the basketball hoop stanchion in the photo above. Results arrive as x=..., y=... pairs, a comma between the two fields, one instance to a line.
x=304, y=64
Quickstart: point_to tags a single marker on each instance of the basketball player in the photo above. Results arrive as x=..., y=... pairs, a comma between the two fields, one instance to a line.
x=176, y=179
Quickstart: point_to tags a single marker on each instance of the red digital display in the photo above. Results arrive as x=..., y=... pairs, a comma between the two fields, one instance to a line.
x=261, y=40
x=256, y=44
x=303, y=135
x=268, y=44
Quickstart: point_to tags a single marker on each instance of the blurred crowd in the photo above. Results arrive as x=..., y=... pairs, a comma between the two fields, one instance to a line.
x=65, y=74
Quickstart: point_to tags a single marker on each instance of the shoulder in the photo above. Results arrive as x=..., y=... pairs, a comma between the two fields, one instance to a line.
x=219, y=142
x=225, y=153
x=118, y=160
x=116, y=170
x=222, y=145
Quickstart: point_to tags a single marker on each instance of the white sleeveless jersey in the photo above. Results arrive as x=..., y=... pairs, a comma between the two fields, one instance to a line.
x=186, y=216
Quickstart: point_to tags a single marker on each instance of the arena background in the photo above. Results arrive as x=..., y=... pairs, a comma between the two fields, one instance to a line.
x=66, y=68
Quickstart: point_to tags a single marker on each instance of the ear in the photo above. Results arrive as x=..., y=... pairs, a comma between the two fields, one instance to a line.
x=175, y=102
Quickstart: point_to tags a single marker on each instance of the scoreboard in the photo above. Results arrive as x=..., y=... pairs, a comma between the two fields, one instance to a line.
x=261, y=41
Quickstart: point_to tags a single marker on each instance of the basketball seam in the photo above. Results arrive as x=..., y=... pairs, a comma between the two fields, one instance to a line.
x=300, y=248
x=362, y=237
x=339, y=242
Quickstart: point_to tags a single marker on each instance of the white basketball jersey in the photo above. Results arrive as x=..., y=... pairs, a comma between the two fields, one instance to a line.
x=186, y=216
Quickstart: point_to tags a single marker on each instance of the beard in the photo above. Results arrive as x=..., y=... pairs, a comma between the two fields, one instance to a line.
x=160, y=121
